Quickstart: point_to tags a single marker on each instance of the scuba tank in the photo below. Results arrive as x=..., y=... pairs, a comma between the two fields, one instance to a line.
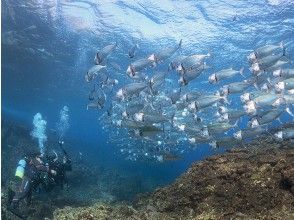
x=20, y=170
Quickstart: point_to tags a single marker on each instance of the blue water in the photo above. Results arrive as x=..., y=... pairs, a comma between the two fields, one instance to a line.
x=47, y=47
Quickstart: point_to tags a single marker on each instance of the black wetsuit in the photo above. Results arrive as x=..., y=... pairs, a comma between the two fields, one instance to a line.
x=60, y=178
x=23, y=187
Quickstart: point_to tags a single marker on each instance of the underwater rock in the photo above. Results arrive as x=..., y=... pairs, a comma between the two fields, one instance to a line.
x=287, y=180
x=240, y=184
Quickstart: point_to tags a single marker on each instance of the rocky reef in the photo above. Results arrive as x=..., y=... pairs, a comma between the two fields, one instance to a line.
x=252, y=182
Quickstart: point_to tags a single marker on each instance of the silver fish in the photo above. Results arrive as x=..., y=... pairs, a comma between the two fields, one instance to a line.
x=175, y=95
x=191, y=96
x=92, y=93
x=231, y=115
x=157, y=80
x=287, y=99
x=176, y=62
x=249, y=133
x=264, y=100
x=225, y=142
x=278, y=65
x=129, y=123
x=138, y=65
x=191, y=75
x=224, y=74
x=266, y=62
x=220, y=127
x=131, y=89
x=93, y=72
x=236, y=87
x=265, y=51
x=132, y=108
x=287, y=84
x=133, y=50
x=199, y=139
x=100, y=100
x=246, y=97
x=104, y=53
x=149, y=131
x=285, y=134
x=192, y=62
x=191, y=129
x=164, y=53
x=152, y=118
x=265, y=118
x=284, y=73
x=205, y=101
x=115, y=66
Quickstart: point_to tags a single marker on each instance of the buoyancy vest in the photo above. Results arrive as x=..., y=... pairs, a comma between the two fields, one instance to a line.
x=20, y=170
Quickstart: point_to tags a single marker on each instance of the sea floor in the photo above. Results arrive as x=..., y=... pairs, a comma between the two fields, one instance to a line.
x=252, y=182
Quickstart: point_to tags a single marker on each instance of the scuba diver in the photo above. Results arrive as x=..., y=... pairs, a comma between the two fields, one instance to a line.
x=27, y=176
x=50, y=181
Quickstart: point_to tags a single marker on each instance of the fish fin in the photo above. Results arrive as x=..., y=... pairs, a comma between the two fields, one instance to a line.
x=289, y=111
x=225, y=98
x=286, y=59
x=152, y=57
x=180, y=44
x=210, y=53
x=217, y=93
x=172, y=119
x=241, y=71
x=269, y=80
x=256, y=86
x=236, y=123
x=282, y=46
x=205, y=66
x=284, y=49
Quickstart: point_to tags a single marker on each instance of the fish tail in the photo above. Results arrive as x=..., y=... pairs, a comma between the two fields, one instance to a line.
x=241, y=71
x=282, y=45
x=180, y=44
x=283, y=48
x=210, y=53
x=170, y=68
x=172, y=119
x=236, y=124
x=225, y=98
x=204, y=66
x=149, y=84
x=255, y=86
x=289, y=111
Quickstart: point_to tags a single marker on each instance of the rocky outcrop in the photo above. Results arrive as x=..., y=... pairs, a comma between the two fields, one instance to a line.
x=240, y=184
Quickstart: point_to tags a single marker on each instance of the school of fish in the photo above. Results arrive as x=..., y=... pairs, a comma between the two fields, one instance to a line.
x=157, y=114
